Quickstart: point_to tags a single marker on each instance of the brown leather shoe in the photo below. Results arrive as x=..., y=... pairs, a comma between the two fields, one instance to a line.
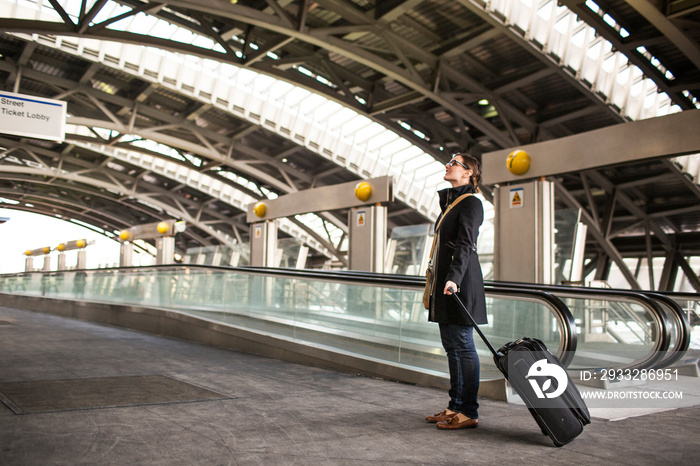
x=441, y=416
x=460, y=421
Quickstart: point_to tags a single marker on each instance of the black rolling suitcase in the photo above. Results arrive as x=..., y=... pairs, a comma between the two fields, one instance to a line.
x=543, y=384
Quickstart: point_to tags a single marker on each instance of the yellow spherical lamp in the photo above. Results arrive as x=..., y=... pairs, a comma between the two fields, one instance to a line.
x=81, y=243
x=46, y=250
x=61, y=247
x=125, y=235
x=163, y=228
x=363, y=191
x=28, y=252
x=518, y=162
x=260, y=209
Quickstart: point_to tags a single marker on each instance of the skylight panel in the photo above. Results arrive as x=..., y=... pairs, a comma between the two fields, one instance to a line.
x=246, y=76
x=579, y=38
x=325, y=110
x=113, y=10
x=355, y=124
x=395, y=147
x=623, y=75
x=162, y=29
x=609, y=20
x=562, y=25
x=592, y=6
x=279, y=89
x=595, y=50
x=263, y=82
x=312, y=102
x=338, y=120
x=205, y=43
x=412, y=163
x=545, y=10
x=294, y=96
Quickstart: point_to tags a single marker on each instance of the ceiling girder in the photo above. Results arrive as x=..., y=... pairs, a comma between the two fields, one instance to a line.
x=599, y=235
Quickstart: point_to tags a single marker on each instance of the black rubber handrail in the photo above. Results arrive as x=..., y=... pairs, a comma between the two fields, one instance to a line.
x=660, y=317
x=683, y=329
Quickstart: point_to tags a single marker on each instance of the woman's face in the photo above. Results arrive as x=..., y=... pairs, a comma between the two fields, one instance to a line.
x=457, y=173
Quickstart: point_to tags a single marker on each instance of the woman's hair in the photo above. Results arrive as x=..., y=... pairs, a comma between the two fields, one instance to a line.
x=475, y=166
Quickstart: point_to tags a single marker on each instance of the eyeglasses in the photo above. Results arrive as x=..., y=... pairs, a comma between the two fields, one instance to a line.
x=452, y=163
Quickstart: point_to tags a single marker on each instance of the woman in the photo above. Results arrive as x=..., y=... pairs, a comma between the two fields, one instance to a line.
x=457, y=268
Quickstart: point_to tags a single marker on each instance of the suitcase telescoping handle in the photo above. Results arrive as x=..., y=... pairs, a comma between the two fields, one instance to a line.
x=474, y=324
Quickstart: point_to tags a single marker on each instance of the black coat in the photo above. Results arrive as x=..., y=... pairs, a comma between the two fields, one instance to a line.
x=457, y=260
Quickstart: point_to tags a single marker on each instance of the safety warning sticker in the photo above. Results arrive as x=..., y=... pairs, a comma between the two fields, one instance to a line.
x=361, y=218
x=516, y=198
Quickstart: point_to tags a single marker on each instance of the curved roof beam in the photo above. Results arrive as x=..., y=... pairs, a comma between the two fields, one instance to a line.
x=323, y=38
x=408, y=63
x=293, y=226
x=220, y=189
x=207, y=148
x=337, y=133
x=120, y=186
x=566, y=43
x=71, y=210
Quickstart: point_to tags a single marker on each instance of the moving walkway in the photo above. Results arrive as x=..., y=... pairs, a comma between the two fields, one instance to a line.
x=373, y=323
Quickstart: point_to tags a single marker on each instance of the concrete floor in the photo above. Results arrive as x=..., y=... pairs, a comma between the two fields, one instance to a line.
x=164, y=401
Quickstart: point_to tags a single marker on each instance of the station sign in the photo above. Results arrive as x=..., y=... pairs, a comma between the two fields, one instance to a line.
x=30, y=116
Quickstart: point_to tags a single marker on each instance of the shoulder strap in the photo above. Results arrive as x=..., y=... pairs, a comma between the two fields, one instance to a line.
x=449, y=207
x=444, y=214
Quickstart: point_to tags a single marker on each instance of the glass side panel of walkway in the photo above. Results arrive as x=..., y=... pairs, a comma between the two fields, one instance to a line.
x=649, y=328
x=376, y=316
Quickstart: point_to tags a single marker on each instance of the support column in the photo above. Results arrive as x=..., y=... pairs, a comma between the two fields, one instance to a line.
x=126, y=254
x=82, y=260
x=367, y=218
x=524, y=232
x=263, y=244
x=367, y=226
x=61, y=261
x=164, y=234
x=578, y=253
x=47, y=263
x=301, y=257
x=165, y=250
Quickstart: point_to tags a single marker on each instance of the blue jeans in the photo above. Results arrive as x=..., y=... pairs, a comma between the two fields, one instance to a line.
x=464, y=367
